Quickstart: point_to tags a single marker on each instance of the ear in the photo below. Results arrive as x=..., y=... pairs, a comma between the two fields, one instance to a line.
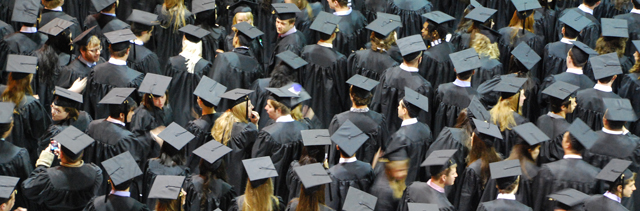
x=619, y=189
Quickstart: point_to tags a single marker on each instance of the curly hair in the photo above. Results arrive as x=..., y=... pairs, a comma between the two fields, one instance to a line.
x=380, y=45
x=606, y=45
x=484, y=47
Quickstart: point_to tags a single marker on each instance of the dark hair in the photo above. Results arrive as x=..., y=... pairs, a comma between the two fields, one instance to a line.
x=70, y=155
x=616, y=125
x=243, y=39
x=636, y=4
x=47, y=63
x=570, y=32
x=605, y=79
x=613, y=186
x=412, y=110
x=515, y=66
x=206, y=18
x=209, y=172
x=170, y=156
x=555, y=104
x=324, y=36
x=108, y=8
x=343, y=3
x=281, y=75
x=486, y=154
x=116, y=109
x=590, y=3
x=311, y=154
x=575, y=62
x=521, y=153
x=465, y=75
x=360, y=96
x=412, y=57
x=441, y=29
x=124, y=185
x=207, y=103
x=138, y=28
x=4, y=127
x=575, y=144
x=118, y=53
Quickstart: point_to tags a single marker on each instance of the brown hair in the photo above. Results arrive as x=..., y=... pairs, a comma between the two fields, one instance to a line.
x=221, y=130
x=277, y=105
x=176, y=10
x=17, y=89
x=486, y=154
x=260, y=198
x=502, y=112
x=527, y=25
x=511, y=187
x=610, y=45
x=397, y=186
x=310, y=201
x=379, y=45
x=304, y=5
x=446, y=171
x=73, y=113
x=93, y=41
x=521, y=152
x=169, y=205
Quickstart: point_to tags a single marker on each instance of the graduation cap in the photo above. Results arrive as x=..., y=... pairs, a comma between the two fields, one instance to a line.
x=416, y=99
x=357, y=200
x=531, y=133
x=411, y=46
x=166, y=187
x=619, y=109
x=194, y=33
x=121, y=168
x=439, y=160
x=422, y=207
x=480, y=14
x=465, y=60
x=6, y=112
x=121, y=39
x=73, y=141
x=154, y=84
x=290, y=95
x=198, y=6
x=487, y=131
x=615, y=170
x=248, y=30
x=25, y=11
x=117, y=96
x=144, y=18
x=285, y=11
x=385, y=24
x=325, y=23
x=7, y=186
x=605, y=65
x=259, y=170
x=209, y=90
x=477, y=109
x=636, y=44
x=21, y=66
x=291, y=59
x=505, y=172
x=583, y=133
x=525, y=55
x=581, y=52
x=211, y=152
x=238, y=96
x=568, y=198
x=614, y=27
x=363, y=82
x=67, y=98
x=55, y=26
x=176, y=136
x=316, y=137
x=525, y=7
x=240, y=6
x=101, y=4
x=396, y=152
x=474, y=4
x=575, y=20
x=312, y=175
x=560, y=90
x=509, y=86
x=349, y=138
x=83, y=38
x=437, y=17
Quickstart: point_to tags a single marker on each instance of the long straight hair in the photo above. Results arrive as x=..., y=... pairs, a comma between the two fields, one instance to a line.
x=486, y=154
x=502, y=113
x=17, y=89
x=259, y=198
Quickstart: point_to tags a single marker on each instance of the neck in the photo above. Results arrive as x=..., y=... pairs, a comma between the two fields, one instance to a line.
x=609, y=128
x=112, y=11
x=125, y=190
x=575, y=38
x=141, y=38
x=571, y=152
x=590, y=7
x=343, y=157
x=570, y=65
x=410, y=65
x=341, y=8
x=437, y=182
x=353, y=105
x=563, y=114
x=63, y=162
x=405, y=117
x=124, y=58
x=467, y=80
x=207, y=110
x=605, y=84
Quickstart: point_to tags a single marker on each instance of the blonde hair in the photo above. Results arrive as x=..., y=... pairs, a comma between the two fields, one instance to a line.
x=397, y=186
x=249, y=16
x=304, y=5
x=51, y=3
x=378, y=44
x=176, y=10
x=192, y=52
x=606, y=46
x=484, y=47
x=221, y=129
x=92, y=42
x=502, y=112
x=259, y=198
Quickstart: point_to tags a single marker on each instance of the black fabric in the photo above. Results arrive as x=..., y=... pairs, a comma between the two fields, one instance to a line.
x=353, y=35
x=590, y=107
x=48, y=15
x=74, y=70
x=524, y=194
x=78, y=9
x=471, y=188
x=293, y=182
x=201, y=129
x=259, y=99
x=114, y=203
x=143, y=60
x=303, y=21
x=450, y=99
x=236, y=69
x=609, y=9
x=15, y=163
x=554, y=128
x=410, y=12
x=276, y=201
x=421, y=192
x=258, y=51
x=265, y=20
x=21, y=44
x=293, y=205
x=30, y=122
x=183, y=83
x=545, y=23
x=213, y=41
x=344, y=175
x=554, y=60
x=503, y=204
x=102, y=79
x=489, y=69
x=633, y=19
x=436, y=65
x=417, y=139
x=152, y=169
x=219, y=195
x=5, y=29
x=589, y=34
x=104, y=24
x=508, y=42
x=381, y=189
x=600, y=202
x=293, y=42
x=369, y=63
x=371, y=123
x=241, y=142
x=509, y=137
x=449, y=138
x=167, y=40
x=629, y=88
x=144, y=120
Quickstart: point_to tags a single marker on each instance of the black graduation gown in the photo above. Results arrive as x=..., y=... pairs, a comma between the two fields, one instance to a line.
x=219, y=194
x=104, y=24
x=183, y=83
x=553, y=60
x=257, y=50
x=579, y=80
x=381, y=189
x=562, y=174
x=410, y=12
x=47, y=16
x=144, y=120
x=503, y=204
x=62, y=188
x=265, y=20
x=353, y=35
x=369, y=63
x=243, y=136
x=293, y=42
x=545, y=23
x=81, y=123
x=5, y=29
x=524, y=194
x=78, y=9
x=293, y=182
x=449, y=138
x=505, y=11
x=143, y=60
x=236, y=69
x=304, y=20
x=609, y=8
x=507, y=43
x=102, y=79
x=201, y=129
x=554, y=128
x=530, y=108
x=6, y=11
x=600, y=202
x=489, y=69
x=590, y=106
x=436, y=66
x=213, y=41
x=589, y=35
x=30, y=122
x=471, y=188
x=509, y=137
x=259, y=98
x=633, y=21
x=450, y=99
x=625, y=65
x=21, y=44
x=325, y=79
x=14, y=161
x=293, y=205
x=371, y=123
x=372, y=7
x=277, y=204
x=115, y=203
x=167, y=40
x=417, y=138
x=356, y=174
x=421, y=192
x=74, y=70
x=153, y=168
x=391, y=91
x=629, y=88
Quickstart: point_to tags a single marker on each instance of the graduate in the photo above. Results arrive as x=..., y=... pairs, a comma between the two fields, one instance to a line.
x=142, y=59
x=568, y=199
x=613, y=40
x=205, y=13
x=371, y=62
x=443, y=173
x=479, y=21
x=69, y=186
x=17, y=158
x=576, y=59
x=314, y=178
x=349, y=173
x=629, y=88
x=167, y=39
x=570, y=171
x=392, y=83
x=436, y=67
x=325, y=75
x=78, y=9
x=105, y=21
x=489, y=54
x=89, y=48
x=54, y=9
x=506, y=113
x=554, y=123
x=353, y=34
x=8, y=194
x=609, y=9
x=507, y=175
x=289, y=38
x=5, y=29
x=632, y=20
x=555, y=53
x=591, y=32
x=411, y=13
x=520, y=30
x=308, y=13
x=209, y=189
x=168, y=192
x=621, y=183
x=315, y=141
x=259, y=192
x=65, y=111
x=122, y=171
x=390, y=182
x=153, y=114
x=370, y=122
x=454, y=96
x=242, y=11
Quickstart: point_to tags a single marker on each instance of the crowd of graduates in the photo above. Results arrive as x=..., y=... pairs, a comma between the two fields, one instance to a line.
x=319, y=105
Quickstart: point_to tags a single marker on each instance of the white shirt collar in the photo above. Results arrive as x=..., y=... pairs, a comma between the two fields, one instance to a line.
x=408, y=69
x=59, y=9
x=571, y=157
x=436, y=42
x=576, y=71
x=555, y=116
x=28, y=29
x=409, y=122
x=607, y=131
x=121, y=193
x=343, y=13
x=603, y=88
x=461, y=83
x=435, y=187
x=567, y=40
x=89, y=64
x=117, y=61
x=109, y=14
x=506, y=196
x=291, y=31
x=634, y=10
x=359, y=110
x=348, y=160
x=324, y=44
x=585, y=9
x=137, y=42
x=285, y=118
x=115, y=121
x=612, y=196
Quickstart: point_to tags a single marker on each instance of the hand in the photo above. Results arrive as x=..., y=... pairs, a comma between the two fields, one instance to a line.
x=219, y=51
x=254, y=117
x=78, y=85
x=20, y=209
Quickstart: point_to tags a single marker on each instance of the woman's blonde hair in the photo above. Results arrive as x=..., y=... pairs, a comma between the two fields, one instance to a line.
x=176, y=10
x=380, y=45
x=502, y=112
x=484, y=47
x=397, y=186
x=192, y=52
x=221, y=129
x=260, y=198
x=527, y=25
x=249, y=16
x=17, y=89
x=304, y=5
x=606, y=46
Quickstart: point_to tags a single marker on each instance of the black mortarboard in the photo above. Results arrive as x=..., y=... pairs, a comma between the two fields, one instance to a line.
x=21, y=66
x=285, y=11
x=411, y=44
x=568, y=198
x=121, y=39
x=509, y=86
x=349, y=138
x=396, y=152
x=194, y=33
x=83, y=38
x=325, y=23
x=198, y=6
x=362, y=82
x=477, y=109
x=636, y=44
x=581, y=52
x=7, y=186
x=525, y=55
x=619, y=110
x=560, y=90
x=212, y=151
x=55, y=26
x=248, y=30
x=614, y=170
x=357, y=200
x=117, y=96
x=101, y=4
x=6, y=112
x=209, y=90
x=241, y=6
x=530, y=133
x=385, y=24
x=525, y=5
x=144, y=18
x=73, y=140
x=487, y=131
x=416, y=99
x=605, y=65
x=237, y=96
x=25, y=11
x=67, y=98
x=505, y=172
x=465, y=60
x=290, y=95
x=259, y=170
x=176, y=136
x=291, y=59
x=154, y=84
x=474, y=4
x=312, y=175
x=316, y=137
x=166, y=187
x=439, y=160
x=614, y=27
x=437, y=17
x=422, y=207
x=575, y=20
x=583, y=133
x=121, y=168
x=480, y=14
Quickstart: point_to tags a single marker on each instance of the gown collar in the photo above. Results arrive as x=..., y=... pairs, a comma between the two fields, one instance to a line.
x=121, y=193
x=28, y=29
x=115, y=121
x=603, y=88
x=109, y=14
x=434, y=186
x=348, y=160
x=567, y=41
x=408, y=69
x=118, y=62
x=244, y=50
x=611, y=132
x=555, y=116
x=359, y=110
x=285, y=118
x=572, y=157
x=138, y=42
x=291, y=31
x=612, y=196
x=409, y=122
x=57, y=9
x=343, y=13
x=634, y=10
x=89, y=64
x=461, y=83
x=328, y=45
x=585, y=9
x=506, y=196
x=576, y=71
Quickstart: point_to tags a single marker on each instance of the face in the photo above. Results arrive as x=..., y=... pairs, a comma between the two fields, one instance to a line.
x=628, y=189
x=535, y=152
x=399, y=173
x=572, y=105
x=271, y=111
x=401, y=110
x=243, y=17
x=92, y=54
x=331, y=4
x=522, y=98
x=9, y=204
x=425, y=32
x=159, y=101
x=58, y=113
x=251, y=106
x=283, y=26
x=450, y=178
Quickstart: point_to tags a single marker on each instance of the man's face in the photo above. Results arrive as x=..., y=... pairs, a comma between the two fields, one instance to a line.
x=572, y=105
x=425, y=31
x=92, y=54
x=9, y=204
x=628, y=189
x=283, y=26
x=270, y=110
x=450, y=178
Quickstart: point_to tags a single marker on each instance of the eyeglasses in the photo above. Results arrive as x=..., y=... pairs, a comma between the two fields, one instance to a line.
x=55, y=110
x=95, y=50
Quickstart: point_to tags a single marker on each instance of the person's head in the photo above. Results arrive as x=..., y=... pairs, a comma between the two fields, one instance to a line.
x=7, y=204
x=591, y=3
x=571, y=144
x=205, y=104
x=407, y=110
x=327, y=37
x=276, y=109
x=149, y=101
x=59, y=113
x=119, y=53
x=508, y=187
x=142, y=32
x=396, y=172
x=17, y=87
x=122, y=186
x=465, y=75
x=612, y=125
x=259, y=198
x=170, y=204
x=524, y=152
x=51, y=4
x=606, y=45
x=557, y=105
x=502, y=112
x=432, y=31
x=333, y=4
x=447, y=176
x=359, y=96
x=344, y=154
x=243, y=17
x=283, y=26
x=569, y=32
x=412, y=59
x=281, y=75
x=111, y=8
x=574, y=60
x=607, y=80
x=382, y=44
x=222, y=127
x=480, y=149
x=623, y=187
x=464, y=121
x=523, y=19
x=241, y=39
x=122, y=111
x=484, y=47
x=66, y=156
x=91, y=51
x=170, y=156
